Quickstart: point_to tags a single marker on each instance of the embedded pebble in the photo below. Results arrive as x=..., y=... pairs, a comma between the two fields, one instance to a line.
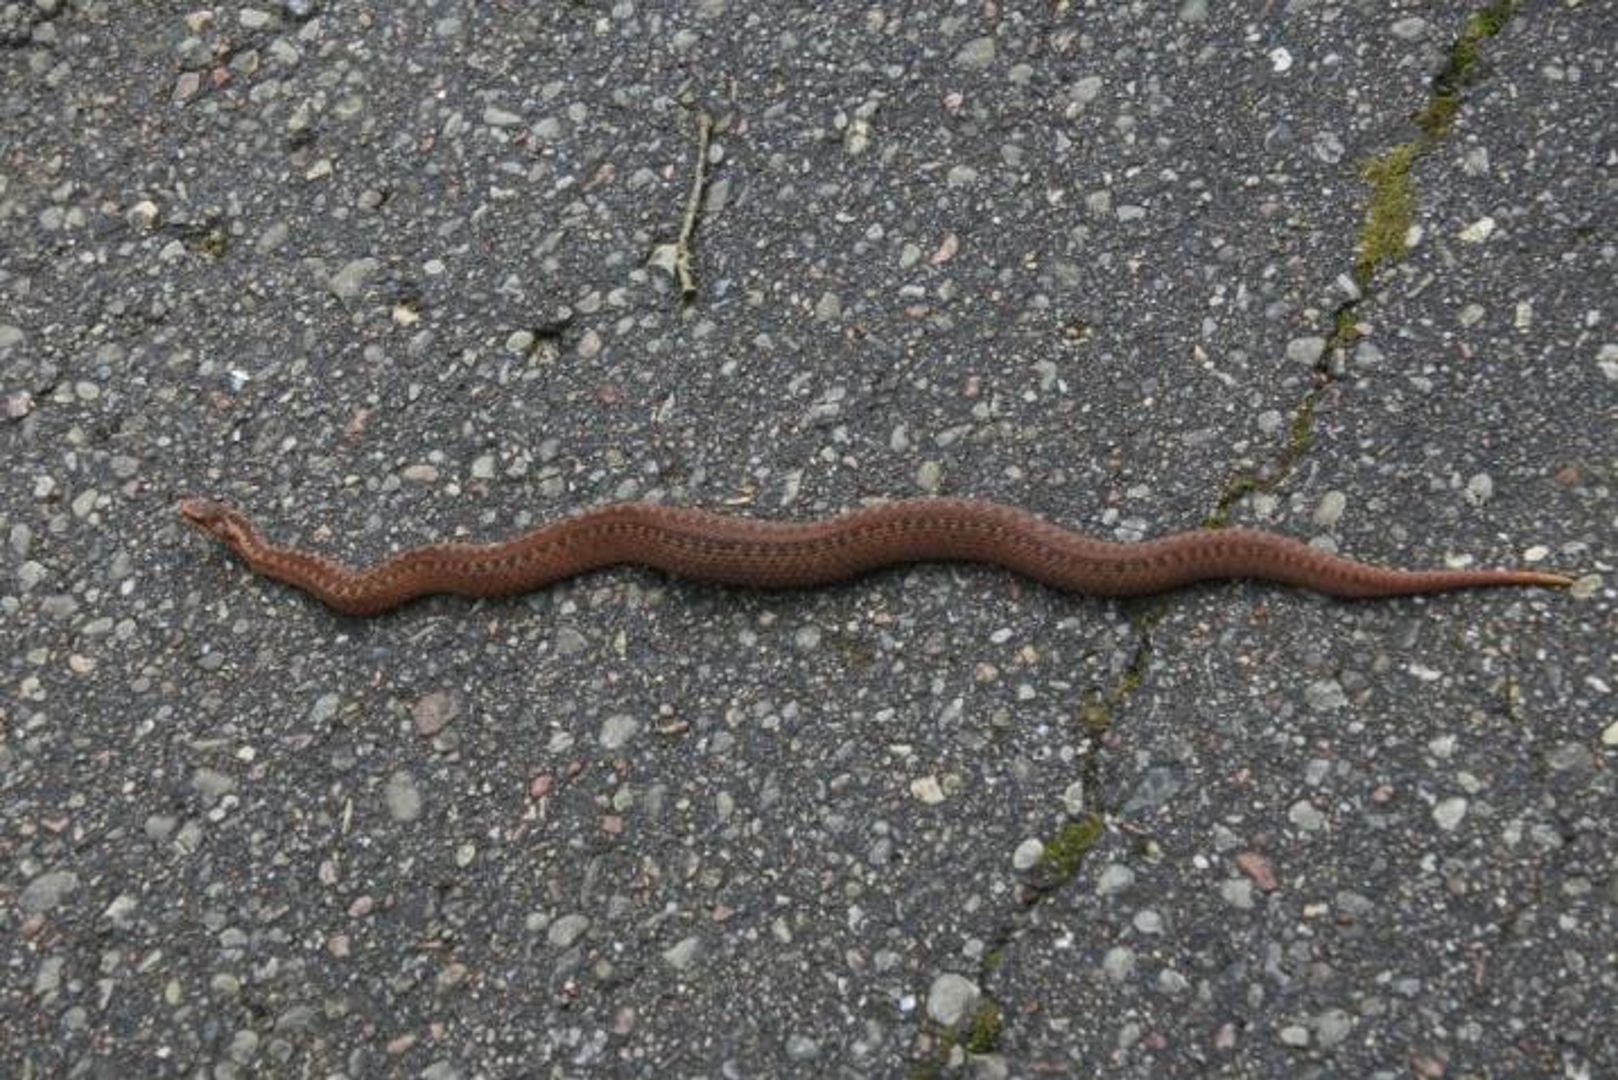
x=1325, y=695
x=1306, y=350
x=30, y=575
x=1114, y=879
x=1085, y=90
x=1259, y=869
x=1332, y=1027
x=402, y=796
x=495, y=116
x=1160, y=784
x=1306, y=816
x=1449, y=812
x=617, y=731
x=325, y=707
x=48, y=979
x=570, y=642
x=1330, y=510
x=802, y=1048
x=1570, y=755
x=683, y=953
x=1368, y=356
x=349, y=282
x=1073, y=800
x=1411, y=28
x=1330, y=149
x=566, y=930
x=433, y=711
x=1237, y=892
x=186, y=87
x=1119, y=963
x=952, y=998
x=212, y=785
x=1477, y=232
x=1028, y=854
x=1607, y=361
x=47, y=891
x=977, y=53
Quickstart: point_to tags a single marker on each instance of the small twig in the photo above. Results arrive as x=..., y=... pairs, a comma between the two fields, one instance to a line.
x=676, y=257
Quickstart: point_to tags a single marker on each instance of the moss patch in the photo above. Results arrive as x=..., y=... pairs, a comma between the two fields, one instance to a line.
x=983, y=1034
x=1300, y=437
x=1389, y=212
x=1302, y=434
x=1345, y=329
x=1463, y=55
x=1437, y=115
x=1094, y=716
x=1066, y=851
x=1392, y=205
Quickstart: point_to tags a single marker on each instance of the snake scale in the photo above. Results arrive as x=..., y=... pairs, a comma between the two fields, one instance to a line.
x=726, y=550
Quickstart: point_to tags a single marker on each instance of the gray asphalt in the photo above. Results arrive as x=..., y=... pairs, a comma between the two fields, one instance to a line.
x=385, y=274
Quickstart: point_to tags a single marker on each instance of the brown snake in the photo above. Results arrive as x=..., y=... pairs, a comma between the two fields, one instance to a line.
x=712, y=547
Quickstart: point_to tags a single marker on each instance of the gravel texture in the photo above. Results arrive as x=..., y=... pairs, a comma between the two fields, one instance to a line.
x=390, y=273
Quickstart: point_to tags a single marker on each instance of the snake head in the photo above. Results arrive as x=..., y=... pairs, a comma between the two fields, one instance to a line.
x=215, y=519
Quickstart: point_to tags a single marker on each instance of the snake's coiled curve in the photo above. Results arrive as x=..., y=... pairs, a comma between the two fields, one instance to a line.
x=712, y=547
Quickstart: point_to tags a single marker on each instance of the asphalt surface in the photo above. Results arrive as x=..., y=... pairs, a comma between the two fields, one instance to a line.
x=389, y=273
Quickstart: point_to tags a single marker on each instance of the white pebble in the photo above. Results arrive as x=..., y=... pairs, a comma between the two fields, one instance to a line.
x=1028, y=854
x=1449, y=812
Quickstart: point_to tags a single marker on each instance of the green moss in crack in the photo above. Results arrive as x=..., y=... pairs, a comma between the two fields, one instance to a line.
x=1094, y=716
x=1066, y=851
x=1460, y=69
x=1303, y=431
x=1437, y=115
x=1135, y=674
x=1492, y=19
x=983, y=1035
x=1235, y=491
x=1463, y=55
x=1345, y=327
x=1389, y=213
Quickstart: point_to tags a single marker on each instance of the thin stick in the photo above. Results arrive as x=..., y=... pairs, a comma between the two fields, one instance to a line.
x=693, y=206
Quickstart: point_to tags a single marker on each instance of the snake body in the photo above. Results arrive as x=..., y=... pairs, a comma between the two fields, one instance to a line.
x=727, y=550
